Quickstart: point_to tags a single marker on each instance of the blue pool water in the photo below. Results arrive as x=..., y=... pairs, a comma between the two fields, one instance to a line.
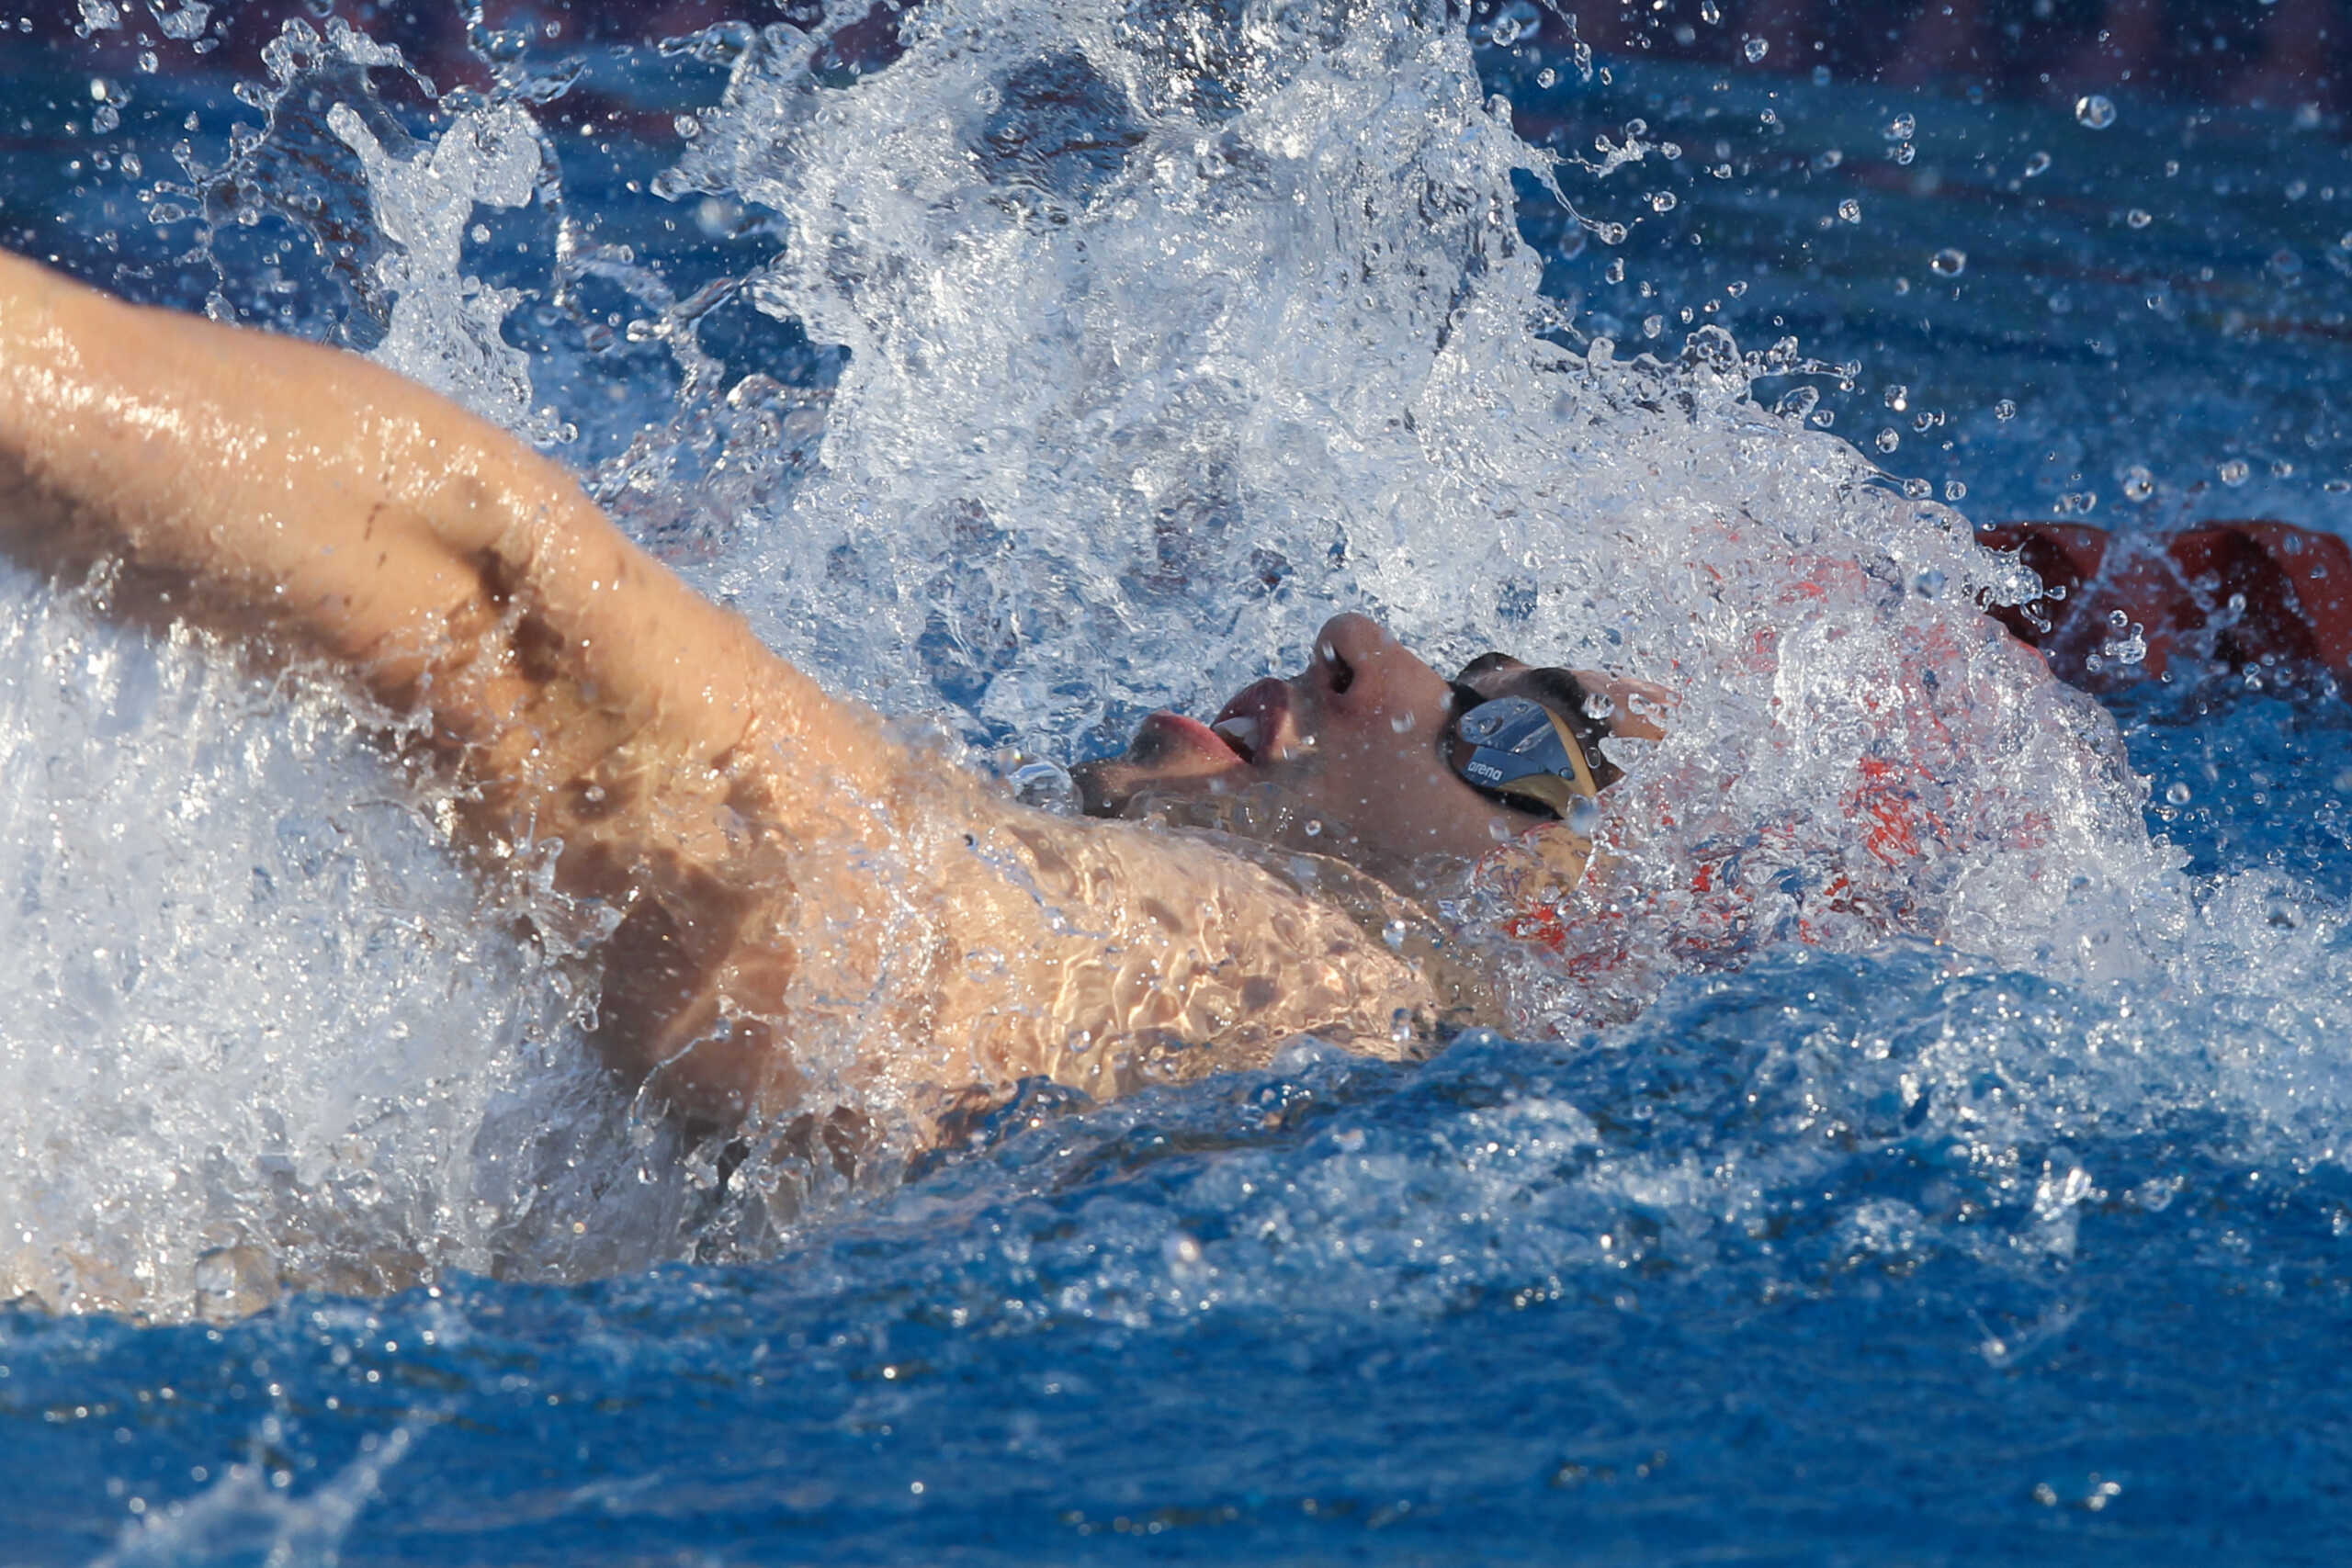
x=2020, y=1232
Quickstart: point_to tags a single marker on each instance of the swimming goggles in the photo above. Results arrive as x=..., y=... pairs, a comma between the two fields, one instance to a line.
x=1519, y=749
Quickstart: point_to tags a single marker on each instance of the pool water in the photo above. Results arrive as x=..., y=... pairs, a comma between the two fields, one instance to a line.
x=1056, y=367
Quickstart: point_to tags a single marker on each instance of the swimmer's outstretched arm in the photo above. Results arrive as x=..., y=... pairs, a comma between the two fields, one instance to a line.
x=793, y=886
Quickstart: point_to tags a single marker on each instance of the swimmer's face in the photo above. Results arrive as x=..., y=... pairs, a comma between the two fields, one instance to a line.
x=1345, y=758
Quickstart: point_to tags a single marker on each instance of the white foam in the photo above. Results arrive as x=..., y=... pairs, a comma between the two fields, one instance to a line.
x=1164, y=346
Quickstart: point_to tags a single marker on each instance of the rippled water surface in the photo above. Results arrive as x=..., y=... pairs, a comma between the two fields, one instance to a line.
x=1981, y=1202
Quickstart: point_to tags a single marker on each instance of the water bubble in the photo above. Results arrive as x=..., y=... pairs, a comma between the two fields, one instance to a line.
x=2177, y=793
x=1917, y=490
x=2095, y=110
x=1663, y=202
x=1886, y=440
x=1902, y=127
x=1755, y=48
x=1850, y=211
x=1047, y=787
x=2139, y=484
x=1583, y=817
x=2117, y=619
x=1950, y=261
x=2234, y=471
x=2037, y=164
x=2005, y=410
x=1955, y=490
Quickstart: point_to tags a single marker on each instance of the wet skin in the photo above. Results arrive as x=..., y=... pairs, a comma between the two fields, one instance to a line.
x=1351, y=744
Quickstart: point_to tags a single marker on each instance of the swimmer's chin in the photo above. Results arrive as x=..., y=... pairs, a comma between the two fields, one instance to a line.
x=1169, y=754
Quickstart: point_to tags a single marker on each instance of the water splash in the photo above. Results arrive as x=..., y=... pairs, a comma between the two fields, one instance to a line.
x=1162, y=344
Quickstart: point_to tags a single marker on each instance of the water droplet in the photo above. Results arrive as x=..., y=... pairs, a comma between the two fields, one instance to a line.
x=2234, y=471
x=1950, y=261
x=1314, y=827
x=1898, y=397
x=2096, y=110
x=2005, y=410
x=2037, y=164
x=2138, y=483
x=1887, y=440
x=1735, y=289
x=2139, y=218
x=1850, y=211
x=1663, y=202
x=1600, y=351
x=1902, y=127
x=1653, y=325
x=1548, y=77
x=1955, y=490
x=1615, y=271
x=1917, y=490
x=1828, y=158
x=1755, y=48
x=2177, y=794
x=1711, y=14
x=2117, y=619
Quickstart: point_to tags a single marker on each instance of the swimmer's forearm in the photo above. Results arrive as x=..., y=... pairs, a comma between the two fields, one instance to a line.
x=288, y=489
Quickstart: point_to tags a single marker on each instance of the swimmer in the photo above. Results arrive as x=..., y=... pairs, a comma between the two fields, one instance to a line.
x=777, y=868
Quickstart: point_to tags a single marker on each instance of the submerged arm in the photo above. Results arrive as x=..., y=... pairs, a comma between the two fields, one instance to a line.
x=782, y=869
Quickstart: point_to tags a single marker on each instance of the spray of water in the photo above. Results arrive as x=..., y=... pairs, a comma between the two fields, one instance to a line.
x=1169, y=331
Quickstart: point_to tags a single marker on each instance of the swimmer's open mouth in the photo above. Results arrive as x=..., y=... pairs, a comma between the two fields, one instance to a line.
x=1254, y=722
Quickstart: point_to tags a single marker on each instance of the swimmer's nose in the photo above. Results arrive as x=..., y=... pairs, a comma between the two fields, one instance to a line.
x=1358, y=664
